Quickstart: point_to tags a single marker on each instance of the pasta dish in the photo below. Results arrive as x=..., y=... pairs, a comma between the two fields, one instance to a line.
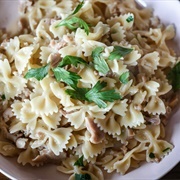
x=87, y=85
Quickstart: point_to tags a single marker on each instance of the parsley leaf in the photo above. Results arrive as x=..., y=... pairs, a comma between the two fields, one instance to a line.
x=74, y=60
x=124, y=78
x=38, y=73
x=77, y=93
x=174, y=76
x=82, y=177
x=97, y=96
x=119, y=52
x=99, y=62
x=151, y=155
x=68, y=77
x=79, y=162
x=72, y=22
x=78, y=7
x=129, y=19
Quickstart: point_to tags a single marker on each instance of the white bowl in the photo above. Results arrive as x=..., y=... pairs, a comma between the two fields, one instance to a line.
x=169, y=13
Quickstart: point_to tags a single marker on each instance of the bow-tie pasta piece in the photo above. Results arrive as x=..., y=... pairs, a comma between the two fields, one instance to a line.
x=11, y=84
x=55, y=140
x=42, y=30
x=124, y=164
x=22, y=58
x=110, y=124
x=155, y=106
x=156, y=148
x=27, y=156
x=45, y=102
x=133, y=117
x=152, y=88
x=117, y=32
x=89, y=149
x=11, y=48
x=88, y=78
x=59, y=91
x=98, y=32
x=149, y=63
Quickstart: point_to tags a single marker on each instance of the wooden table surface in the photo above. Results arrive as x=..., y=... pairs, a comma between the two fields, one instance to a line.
x=174, y=174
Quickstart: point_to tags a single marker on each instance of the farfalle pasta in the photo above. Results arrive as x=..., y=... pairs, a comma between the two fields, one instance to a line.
x=86, y=85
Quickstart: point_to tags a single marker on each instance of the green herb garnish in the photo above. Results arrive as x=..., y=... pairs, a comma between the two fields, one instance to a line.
x=129, y=19
x=151, y=155
x=174, y=76
x=70, y=78
x=74, y=60
x=79, y=162
x=119, y=52
x=97, y=96
x=99, y=62
x=78, y=7
x=124, y=78
x=72, y=22
x=38, y=73
x=167, y=149
x=77, y=93
x=82, y=177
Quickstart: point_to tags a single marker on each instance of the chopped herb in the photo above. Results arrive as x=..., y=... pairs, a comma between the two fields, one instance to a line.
x=99, y=62
x=68, y=77
x=73, y=22
x=77, y=93
x=167, y=149
x=79, y=162
x=78, y=7
x=129, y=19
x=124, y=78
x=119, y=52
x=151, y=155
x=82, y=177
x=174, y=76
x=38, y=73
x=74, y=60
x=97, y=96
x=3, y=97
